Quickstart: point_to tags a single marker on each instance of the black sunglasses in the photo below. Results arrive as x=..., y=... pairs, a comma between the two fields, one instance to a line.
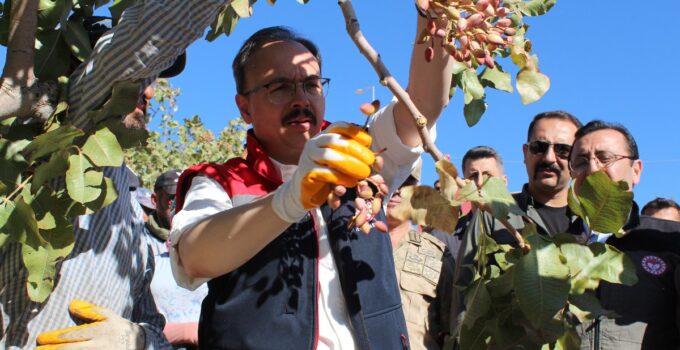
x=537, y=147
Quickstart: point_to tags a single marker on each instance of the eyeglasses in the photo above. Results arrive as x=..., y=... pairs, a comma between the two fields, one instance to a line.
x=537, y=147
x=604, y=159
x=282, y=91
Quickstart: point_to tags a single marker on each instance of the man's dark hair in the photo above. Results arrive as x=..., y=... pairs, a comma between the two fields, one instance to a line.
x=260, y=38
x=659, y=203
x=596, y=125
x=480, y=152
x=561, y=115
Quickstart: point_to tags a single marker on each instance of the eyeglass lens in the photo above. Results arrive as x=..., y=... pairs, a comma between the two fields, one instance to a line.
x=541, y=147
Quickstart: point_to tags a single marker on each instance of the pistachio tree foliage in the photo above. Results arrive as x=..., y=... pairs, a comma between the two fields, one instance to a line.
x=524, y=295
x=179, y=144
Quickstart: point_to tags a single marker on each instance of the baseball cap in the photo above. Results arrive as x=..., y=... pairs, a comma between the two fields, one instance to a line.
x=96, y=26
x=167, y=182
x=143, y=196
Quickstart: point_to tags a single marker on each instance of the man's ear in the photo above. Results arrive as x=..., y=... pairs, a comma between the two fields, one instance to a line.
x=153, y=199
x=637, y=171
x=243, y=107
x=525, y=149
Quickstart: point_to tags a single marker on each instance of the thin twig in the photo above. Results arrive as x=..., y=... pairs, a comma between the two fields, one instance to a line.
x=386, y=78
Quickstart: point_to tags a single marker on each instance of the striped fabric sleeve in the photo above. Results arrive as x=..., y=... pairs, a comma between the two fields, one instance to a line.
x=148, y=38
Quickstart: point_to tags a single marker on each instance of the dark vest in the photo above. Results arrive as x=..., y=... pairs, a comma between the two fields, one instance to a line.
x=270, y=302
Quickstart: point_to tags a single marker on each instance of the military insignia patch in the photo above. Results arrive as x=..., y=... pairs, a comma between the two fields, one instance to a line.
x=654, y=265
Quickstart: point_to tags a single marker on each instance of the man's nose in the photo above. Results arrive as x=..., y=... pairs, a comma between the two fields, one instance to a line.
x=550, y=155
x=300, y=98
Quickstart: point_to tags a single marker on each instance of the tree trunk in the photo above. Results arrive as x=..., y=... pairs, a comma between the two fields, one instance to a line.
x=20, y=93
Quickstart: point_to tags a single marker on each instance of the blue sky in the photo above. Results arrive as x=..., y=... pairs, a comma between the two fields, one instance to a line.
x=606, y=59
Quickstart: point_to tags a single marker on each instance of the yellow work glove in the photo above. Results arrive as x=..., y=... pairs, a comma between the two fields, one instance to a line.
x=337, y=156
x=103, y=330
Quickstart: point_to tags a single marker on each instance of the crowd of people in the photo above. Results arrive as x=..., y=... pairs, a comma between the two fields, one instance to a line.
x=260, y=252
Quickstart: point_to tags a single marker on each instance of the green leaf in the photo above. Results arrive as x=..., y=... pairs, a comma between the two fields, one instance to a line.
x=12, y=164
x=497, y=79
x=77, y=38
x=495, y=193
x=605, y=203
x=597, y=261
x=532, y=85
x=81, y=182
x=103, y=149
x=541, y=281
x=107, y=196
x=477, y=303
x=586, y=307
x=501, y=286
x=243, y=8
x=50, y=12
x=538, y=7
x=570, y=340
x=475, y=338
x=127, y=138
x=23, y=224
x=55, y=167
x=459, y=67
x=473, y=111
x=6, y=210
x=52, y=141
x=225, y=22
x=123, y=100
x=52, y=55
x=469, y=193
x=41, y=260
x=471, y=85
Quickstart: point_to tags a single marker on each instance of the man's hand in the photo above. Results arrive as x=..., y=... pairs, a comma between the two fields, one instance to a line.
x=338, y=156
x=103, y=330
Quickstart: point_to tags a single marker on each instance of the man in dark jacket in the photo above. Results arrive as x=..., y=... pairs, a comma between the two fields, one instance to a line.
x=647, y=311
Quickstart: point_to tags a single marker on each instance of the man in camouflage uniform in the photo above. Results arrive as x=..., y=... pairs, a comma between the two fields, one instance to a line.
x=424, y=270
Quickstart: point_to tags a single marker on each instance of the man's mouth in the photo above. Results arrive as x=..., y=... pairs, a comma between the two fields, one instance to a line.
x=299, y=116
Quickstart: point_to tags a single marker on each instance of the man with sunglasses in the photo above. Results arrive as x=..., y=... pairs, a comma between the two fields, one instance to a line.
x=546, y=157
x=647, y=315
x=277, y=256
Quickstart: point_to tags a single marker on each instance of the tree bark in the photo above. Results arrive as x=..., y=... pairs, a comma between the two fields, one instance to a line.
x=20, y=93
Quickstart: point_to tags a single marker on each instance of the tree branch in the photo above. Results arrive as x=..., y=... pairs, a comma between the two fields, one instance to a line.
x=20, y=93
x=386, y=78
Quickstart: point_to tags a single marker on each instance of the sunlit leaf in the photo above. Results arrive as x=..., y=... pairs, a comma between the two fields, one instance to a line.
x=82, y=183
x=428, y=207
x=471, y=85
x=447, y=178
x=532, y=85
x=537, y=7
x=107, y=196
x=469, y=193
x=495, y=194
x=50, y=12
x=225, y=22
x=243, y=8
x=52, y=141
x=103, y=149
x=6, y=209
x=605, y=203
x=126, y=137
x=497, y=79
x=597, y=261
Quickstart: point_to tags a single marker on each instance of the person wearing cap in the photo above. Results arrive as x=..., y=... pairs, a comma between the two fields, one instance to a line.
x=180, y=307
x=424, y=270
x=101, y=297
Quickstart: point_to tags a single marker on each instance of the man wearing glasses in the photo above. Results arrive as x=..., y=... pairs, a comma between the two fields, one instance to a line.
x=278, y=257
x=647, y=312
x=546, y=156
